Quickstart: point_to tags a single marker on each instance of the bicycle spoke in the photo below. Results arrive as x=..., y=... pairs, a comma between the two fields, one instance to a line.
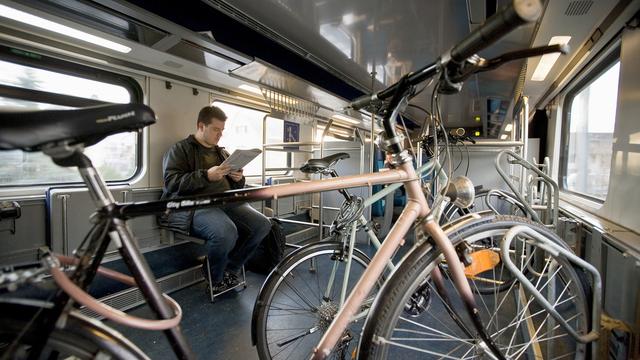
x=435, y=334
x=530, y=301
x=526, y=307
x=300, y=295
x=289, y=307
x=436, y=330
x=447, y=305
x=425, y=351
x=505, y=297
x=539, y=312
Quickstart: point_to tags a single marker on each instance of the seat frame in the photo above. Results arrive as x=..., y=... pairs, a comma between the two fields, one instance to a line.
x=205, y=260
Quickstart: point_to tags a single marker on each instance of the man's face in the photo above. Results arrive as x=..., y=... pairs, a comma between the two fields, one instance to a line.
x=211, y=133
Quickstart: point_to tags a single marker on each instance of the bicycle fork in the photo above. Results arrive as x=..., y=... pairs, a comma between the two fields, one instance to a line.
x=456, y=269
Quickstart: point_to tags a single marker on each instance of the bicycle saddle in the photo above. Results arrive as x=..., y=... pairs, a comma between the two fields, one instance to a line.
x=33, y=130
x=313, y=166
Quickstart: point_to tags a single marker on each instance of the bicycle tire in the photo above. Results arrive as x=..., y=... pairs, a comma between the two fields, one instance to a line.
x=377, y=340
x=274, y=292
x=79, y=338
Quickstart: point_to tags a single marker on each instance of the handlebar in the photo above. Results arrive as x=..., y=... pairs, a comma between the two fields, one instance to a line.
x=501, y=23
x=505, y=20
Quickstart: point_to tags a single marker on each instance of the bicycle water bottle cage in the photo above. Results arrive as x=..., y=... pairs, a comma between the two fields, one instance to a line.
x=323, y=165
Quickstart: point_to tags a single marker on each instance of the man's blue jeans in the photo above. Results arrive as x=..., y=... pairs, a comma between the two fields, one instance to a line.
x=231, y=234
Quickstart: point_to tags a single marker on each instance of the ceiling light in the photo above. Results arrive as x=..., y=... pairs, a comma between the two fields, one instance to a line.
x=351, y=18
x=504, y=137
x=334, y=130
x=508, y=127
x=45, y=24
x=548, y=60
x=346, y=118
x=250, y=88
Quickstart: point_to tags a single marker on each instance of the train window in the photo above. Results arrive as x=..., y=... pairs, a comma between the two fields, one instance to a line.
x=32, y=85
x=244, y=129
x=591, y=120
x=32, y=78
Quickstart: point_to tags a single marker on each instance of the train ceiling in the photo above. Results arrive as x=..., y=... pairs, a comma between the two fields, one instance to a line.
x=331, y=46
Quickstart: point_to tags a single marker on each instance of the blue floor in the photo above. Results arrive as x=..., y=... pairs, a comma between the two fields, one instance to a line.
x=220, y=330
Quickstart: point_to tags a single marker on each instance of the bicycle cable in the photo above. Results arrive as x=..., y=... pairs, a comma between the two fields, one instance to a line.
x=466, y=172
x=406, y=132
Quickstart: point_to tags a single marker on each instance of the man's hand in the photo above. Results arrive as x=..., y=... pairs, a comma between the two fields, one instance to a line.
x=216, y=173
x=236, y=175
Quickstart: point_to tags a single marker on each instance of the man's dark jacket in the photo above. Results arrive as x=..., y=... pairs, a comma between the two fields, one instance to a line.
x=185, y=175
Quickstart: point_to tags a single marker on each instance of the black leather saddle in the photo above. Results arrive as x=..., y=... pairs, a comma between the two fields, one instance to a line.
x=33, y=130
x=313, y=166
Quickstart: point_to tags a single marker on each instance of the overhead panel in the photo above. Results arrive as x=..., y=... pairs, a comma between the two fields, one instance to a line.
x=158, y=45
x=271, y=77
x=384, y=40
x=579, y=19
x=205, y=57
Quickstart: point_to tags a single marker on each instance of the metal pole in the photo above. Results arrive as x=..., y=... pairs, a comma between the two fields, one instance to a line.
x=264, y=156
x=525, y=136
x=320, y=210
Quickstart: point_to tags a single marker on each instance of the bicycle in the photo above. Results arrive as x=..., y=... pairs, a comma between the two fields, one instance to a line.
x=32, y=327
x=454, y=67
x=62, y=134
x=319, y=275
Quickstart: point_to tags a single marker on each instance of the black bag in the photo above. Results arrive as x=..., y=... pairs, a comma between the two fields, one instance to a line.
x=269, y=252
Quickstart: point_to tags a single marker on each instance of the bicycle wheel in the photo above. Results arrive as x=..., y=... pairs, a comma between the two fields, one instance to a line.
x=81, y=338
x=516, y=323
x=300, y=298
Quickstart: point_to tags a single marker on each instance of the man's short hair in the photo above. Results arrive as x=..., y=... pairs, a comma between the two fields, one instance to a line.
x=209, y=113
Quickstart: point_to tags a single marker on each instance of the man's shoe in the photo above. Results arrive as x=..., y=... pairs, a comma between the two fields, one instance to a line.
x=231, y=279
x=218, y=288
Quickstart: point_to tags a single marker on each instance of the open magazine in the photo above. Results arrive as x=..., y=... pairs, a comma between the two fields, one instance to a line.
x=240, y=158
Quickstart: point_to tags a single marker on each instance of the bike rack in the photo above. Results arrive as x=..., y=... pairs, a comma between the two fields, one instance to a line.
x=552, y=202
x=555, y=250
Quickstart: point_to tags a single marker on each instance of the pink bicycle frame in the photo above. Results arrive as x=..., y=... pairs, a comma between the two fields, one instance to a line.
x=416, y=207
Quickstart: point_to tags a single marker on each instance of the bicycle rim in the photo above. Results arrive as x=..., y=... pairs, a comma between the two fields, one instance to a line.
x=516, y=323
x=295, y=311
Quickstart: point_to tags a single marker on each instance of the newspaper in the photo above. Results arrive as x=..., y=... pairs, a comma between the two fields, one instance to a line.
x=240, y=158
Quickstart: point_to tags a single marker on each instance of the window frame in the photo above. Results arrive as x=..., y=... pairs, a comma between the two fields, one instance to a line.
x=40, y=61
x=601, y=66
x=268, y=114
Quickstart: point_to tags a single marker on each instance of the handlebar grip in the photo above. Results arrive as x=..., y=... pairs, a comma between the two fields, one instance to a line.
x=515, y=14
x=362, y=102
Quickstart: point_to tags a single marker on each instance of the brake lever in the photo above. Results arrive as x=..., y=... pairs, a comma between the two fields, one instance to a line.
x=482, y=65
x=469, y=139
x=522, y=54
